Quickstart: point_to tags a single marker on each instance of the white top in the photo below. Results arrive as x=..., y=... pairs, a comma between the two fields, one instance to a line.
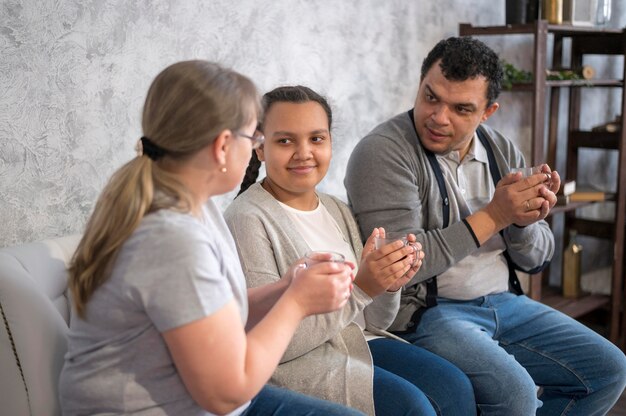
x=485, y=271
x=322, y=233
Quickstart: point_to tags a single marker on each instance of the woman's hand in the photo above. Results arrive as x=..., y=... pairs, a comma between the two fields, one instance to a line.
x=320, y=288
x=386, y=268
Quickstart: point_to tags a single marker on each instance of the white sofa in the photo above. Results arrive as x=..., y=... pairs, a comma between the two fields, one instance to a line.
x=34, y=318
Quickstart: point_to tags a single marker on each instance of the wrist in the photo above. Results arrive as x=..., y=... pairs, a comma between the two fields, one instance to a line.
x=367, y=287
x=484, y=225
x=494, y=218
x=281, y=285
x=289, y=301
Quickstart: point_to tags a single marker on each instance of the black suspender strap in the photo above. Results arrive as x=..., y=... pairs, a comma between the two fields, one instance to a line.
x=431, y=284
x=514, y=283
x=432, y=159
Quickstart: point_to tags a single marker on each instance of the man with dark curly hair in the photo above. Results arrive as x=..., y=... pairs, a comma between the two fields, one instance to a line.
x=439, y=172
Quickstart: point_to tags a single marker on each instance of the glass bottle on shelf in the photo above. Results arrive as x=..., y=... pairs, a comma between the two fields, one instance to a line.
x=571, y=268
x=552, y=11
x=603, y=13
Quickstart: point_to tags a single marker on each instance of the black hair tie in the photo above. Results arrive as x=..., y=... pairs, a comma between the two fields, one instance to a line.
x=151, y=150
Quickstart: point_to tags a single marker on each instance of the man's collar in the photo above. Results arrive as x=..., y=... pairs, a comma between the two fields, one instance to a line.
x=476, y=152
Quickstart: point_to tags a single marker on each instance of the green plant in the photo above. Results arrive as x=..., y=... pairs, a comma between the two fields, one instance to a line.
x=512, y=75
x=562, y=75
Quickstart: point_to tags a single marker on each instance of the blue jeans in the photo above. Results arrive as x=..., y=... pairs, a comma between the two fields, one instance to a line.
x=510, y=344
x=409, y=380
x=276, y=401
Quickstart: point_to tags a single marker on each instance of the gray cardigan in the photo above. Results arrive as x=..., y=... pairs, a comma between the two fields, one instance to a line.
x=404, y=197
x=328, y=356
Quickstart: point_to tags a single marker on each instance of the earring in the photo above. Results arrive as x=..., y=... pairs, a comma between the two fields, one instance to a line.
x=223, y=169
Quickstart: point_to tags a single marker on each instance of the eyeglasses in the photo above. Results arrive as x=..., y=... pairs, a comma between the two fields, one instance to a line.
x=257, y=139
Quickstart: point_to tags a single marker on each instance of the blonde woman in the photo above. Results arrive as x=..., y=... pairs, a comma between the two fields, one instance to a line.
x=163, y=323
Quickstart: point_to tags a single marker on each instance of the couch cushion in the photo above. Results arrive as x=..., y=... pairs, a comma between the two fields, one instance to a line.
x=35, y=315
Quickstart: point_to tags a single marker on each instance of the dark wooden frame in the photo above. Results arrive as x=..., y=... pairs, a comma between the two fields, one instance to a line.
x=584, y=40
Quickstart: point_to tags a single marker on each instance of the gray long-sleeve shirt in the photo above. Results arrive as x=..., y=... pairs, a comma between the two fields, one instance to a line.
x=390, y=183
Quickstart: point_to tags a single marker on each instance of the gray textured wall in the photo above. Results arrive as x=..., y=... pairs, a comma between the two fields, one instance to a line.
x=74, y=73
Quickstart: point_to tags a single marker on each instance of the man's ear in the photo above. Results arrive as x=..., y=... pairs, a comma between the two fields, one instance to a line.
x=220, y=146
x=489, y=112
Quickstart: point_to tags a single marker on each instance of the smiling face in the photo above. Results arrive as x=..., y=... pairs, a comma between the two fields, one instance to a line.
x=447, y=112
x=297, y=151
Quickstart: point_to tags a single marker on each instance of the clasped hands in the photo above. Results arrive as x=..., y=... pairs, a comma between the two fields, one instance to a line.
x=390, y=267
x=524, y=201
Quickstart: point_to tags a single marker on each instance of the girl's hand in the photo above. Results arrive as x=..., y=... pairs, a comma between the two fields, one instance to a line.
x=385, y=268
x=417, y=264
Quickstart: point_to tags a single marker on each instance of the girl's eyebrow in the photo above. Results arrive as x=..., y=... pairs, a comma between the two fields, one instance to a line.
x=282, y=133
x=289, y=133
x=319, y=131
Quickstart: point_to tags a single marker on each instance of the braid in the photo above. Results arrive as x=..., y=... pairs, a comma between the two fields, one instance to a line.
x=252, y=173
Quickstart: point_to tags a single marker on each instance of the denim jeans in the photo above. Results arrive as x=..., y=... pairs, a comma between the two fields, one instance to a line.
x=409, y=380
x=510, y=344
x=276, y=401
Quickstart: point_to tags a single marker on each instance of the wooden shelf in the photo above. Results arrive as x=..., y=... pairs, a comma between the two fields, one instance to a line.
x=595, y=139
x=574, y=307
x=592, y=228
x=559, y=209
x=467, y=29
x=569, y=83
x=547, y=143
x=572, y=206
x=584, y=83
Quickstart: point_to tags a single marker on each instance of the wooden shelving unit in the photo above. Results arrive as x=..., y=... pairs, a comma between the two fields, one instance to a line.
x=583, y=41
x=575, y=307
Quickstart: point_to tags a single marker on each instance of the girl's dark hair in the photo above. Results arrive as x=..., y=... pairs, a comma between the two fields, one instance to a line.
x=288, y=94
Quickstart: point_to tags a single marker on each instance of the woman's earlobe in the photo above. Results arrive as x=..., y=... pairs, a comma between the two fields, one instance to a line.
x=220, y=146
x=260, y=154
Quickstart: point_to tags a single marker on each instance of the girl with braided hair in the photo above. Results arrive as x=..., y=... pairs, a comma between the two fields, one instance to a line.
x=345, y=356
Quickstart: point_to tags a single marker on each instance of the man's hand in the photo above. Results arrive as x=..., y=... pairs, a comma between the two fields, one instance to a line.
x=516, y=200
x=554, y=184
x=523, y=201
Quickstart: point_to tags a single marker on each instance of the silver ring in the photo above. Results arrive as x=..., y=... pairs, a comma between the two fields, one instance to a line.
x=528, y=205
